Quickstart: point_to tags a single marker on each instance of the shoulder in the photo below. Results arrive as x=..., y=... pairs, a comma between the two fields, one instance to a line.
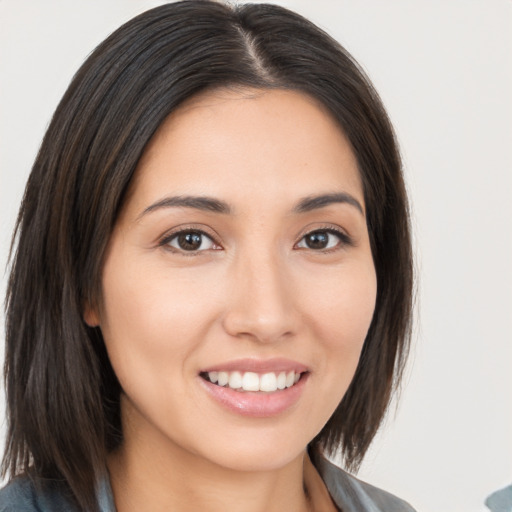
x=352, y=494
x=22, y=495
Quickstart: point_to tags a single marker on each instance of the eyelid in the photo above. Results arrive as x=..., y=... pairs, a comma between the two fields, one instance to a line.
x=166, y=238
x=344, y=237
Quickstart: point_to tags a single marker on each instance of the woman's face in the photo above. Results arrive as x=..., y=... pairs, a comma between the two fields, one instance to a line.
x=241, y=254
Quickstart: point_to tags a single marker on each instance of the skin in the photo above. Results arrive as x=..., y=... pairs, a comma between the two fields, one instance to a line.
x=255, y=289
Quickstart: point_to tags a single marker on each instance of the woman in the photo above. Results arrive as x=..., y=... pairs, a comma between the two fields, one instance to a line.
x=212, y=282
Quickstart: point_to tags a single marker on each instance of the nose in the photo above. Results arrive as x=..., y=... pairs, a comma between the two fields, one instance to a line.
x=262, y=305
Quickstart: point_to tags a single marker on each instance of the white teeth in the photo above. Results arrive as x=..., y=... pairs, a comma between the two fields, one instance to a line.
x=281, y=380
x=235, y=380
x=268, y=382
x=251, y=381
x=223, y=378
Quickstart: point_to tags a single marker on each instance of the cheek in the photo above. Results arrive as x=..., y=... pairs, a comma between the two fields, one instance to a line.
x=341, y=311
x=344, y=302
x=151, y=299
x=150, y=321
x=338, y=311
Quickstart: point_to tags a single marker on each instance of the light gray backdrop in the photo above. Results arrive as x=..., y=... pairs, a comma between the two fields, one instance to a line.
x=444, y=70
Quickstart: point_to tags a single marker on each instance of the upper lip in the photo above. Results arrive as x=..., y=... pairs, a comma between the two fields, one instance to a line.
x=258, y=366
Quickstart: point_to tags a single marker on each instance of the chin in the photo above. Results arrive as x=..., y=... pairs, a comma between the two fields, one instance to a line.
x=257, y=460
x=259, y=452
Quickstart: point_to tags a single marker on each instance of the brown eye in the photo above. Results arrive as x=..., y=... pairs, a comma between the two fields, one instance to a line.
x=190, y=241
x=323, y=239
x=318, y=240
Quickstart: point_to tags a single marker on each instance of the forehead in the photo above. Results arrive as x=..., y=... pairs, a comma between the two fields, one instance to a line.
x=248, y=145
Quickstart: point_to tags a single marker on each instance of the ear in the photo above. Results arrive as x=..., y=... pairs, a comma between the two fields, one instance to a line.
x=91, y=316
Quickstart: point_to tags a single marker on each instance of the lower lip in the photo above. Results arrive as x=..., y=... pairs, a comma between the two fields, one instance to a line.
x=256, y=404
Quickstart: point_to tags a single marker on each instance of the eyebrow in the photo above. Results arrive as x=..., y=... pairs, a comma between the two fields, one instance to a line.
x=208, y=204
x=211, y=204
x=316, y=202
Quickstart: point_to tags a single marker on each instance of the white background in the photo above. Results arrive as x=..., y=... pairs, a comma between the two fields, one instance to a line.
x=444, y=70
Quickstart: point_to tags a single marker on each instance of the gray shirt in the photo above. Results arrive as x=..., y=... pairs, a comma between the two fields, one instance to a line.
x=347, y=492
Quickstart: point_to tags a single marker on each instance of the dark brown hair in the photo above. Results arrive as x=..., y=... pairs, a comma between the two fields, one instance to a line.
x=62, y=394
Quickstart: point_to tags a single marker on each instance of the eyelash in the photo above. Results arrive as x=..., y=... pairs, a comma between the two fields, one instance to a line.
x=165, y=242
x=344, y=240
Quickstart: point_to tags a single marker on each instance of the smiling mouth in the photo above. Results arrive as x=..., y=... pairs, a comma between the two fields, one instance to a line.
x=251, y=381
